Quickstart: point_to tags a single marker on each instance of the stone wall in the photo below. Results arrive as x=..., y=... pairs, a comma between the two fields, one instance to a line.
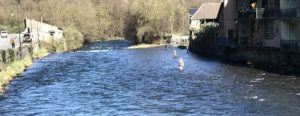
x=272, y=59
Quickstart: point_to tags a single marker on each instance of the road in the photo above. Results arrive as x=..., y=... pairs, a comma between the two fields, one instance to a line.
x=5, y=42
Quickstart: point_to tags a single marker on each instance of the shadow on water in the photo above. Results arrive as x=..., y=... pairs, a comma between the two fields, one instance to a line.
x=109, y=45
x=281, y=70
x=109, y=79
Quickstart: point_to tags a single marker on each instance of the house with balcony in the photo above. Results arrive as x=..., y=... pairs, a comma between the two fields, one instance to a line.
x=207, y=14
x=263, y=18
x=266, y=23
x=263, y=32
x=290, y=24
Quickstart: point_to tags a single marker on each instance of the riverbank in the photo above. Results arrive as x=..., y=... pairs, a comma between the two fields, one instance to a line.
x=12, y=65
x=12, y=71
x=13, y=68
x=13, y=62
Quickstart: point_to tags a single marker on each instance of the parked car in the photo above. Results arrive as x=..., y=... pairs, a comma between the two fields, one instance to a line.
x=4, y=34
x=27, y=37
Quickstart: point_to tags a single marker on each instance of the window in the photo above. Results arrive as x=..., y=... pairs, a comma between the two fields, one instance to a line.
x=269, y=30
x=230, y=33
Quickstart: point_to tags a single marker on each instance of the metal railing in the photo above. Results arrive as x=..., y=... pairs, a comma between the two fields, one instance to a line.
x=268, y=12
x=246, y=13
x=293, y=45
x=272, y=12
x=289, y=13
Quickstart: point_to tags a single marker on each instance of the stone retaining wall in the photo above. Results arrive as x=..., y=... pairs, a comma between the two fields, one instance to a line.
x=273, y=59
x=10, y=55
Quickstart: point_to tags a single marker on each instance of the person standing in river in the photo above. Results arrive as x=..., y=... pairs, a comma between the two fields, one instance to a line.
x=181, y=64
x=174, y=53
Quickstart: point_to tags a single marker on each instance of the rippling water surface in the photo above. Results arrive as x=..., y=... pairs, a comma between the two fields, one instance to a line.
x=108, y=79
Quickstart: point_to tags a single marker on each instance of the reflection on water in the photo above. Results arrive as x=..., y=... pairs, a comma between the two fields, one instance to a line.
x=108, y=79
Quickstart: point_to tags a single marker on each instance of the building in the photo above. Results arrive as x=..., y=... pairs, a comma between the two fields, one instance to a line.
x=228, y=23
x=266, y=23
x=207, y=14
x=42, y=32
x=290, y=24
x=194, y=24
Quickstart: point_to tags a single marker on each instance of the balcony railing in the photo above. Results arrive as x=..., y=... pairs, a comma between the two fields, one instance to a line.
x=259, y=12
x=289, y=13
x=267, y=12
x=272, y=12
x=246, y=13
x=293, y=45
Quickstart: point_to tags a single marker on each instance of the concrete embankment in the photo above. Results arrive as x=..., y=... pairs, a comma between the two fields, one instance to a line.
x=271, y=59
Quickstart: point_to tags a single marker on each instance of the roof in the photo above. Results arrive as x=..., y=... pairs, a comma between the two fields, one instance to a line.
x=192, y=11
x=207, y=11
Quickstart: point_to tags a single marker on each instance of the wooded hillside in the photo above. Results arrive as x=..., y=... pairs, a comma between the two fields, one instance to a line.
x=100, y=19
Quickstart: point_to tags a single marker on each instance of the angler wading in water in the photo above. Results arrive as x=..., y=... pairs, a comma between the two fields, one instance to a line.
x=181, y=64
x=174, y=53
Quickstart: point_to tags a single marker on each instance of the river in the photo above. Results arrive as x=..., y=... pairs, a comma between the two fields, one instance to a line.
x=109, y=79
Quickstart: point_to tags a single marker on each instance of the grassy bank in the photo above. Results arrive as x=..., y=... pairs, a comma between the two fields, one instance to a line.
x=73, y=39
x=13, y=70
x=40, y=53
x=17, y=67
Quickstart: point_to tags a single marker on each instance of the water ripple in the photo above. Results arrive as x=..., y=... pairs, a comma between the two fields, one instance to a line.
x=107, y=79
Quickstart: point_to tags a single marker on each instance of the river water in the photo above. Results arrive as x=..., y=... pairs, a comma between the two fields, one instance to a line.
x=109, y=79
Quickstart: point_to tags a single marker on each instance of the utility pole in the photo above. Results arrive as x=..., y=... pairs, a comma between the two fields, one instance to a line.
x=38, y=32
x=19, y=28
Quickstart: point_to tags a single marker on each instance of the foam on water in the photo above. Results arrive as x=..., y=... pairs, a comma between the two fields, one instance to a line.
x=93, y=51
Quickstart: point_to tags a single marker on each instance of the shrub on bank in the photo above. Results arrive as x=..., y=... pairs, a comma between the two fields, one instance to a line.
x=74, y=38
x=146, y=34
x=54, y=46
x=205, y=39
x=207, y=32
x=39, y=53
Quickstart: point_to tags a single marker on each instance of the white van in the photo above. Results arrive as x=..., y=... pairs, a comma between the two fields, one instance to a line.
x=3, y=34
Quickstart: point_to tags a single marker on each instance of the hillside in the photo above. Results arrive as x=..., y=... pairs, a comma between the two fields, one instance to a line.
x=101, y=19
